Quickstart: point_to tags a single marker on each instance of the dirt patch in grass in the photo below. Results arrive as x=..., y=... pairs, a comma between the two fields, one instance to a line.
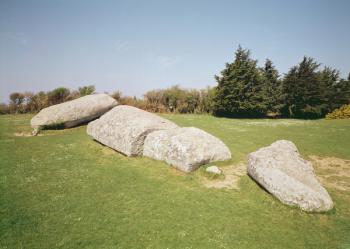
x=24, y=134
x=232, y=175
x=274, y=123
x=333, y=172
x=41, y=133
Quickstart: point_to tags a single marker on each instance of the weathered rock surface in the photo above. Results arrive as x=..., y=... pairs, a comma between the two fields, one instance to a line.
x=75, y=112
x=214, y=170
x=282, y=172
x=185, y=148
x=124, y=128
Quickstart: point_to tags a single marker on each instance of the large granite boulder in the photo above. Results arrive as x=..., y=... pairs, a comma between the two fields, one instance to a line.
x=75, y=112
x=282, y=172
x=124, y=128
x=185, y=148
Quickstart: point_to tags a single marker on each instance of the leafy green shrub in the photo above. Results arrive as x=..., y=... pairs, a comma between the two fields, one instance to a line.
x=58, y=95
x=341, y=113
x=86, y=90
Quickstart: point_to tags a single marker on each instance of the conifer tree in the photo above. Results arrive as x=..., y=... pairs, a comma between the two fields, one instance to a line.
x=302, y=90
x=239, y=91
x=272, y=89
x=341, y=94
x=328, y=80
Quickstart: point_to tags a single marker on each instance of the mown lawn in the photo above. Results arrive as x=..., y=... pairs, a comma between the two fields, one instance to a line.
x=63, y=190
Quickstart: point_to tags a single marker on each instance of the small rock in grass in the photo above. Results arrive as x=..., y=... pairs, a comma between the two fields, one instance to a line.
x=35, y=132
x=214, y=170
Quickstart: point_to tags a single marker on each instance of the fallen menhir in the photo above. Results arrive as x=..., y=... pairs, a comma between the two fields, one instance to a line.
x=291, y=179
x=185, y=148
x=124, y=128
x=74, y=112
x=135, y=132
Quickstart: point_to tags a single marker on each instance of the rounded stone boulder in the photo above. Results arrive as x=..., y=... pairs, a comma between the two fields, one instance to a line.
x=185, y=148
x=124, y=128
x=74, y=112
x=280, y=169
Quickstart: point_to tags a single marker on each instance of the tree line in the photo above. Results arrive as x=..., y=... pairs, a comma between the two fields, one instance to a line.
x=306, y=91
x=29, y=102
x=173, y=99
x=243, y=90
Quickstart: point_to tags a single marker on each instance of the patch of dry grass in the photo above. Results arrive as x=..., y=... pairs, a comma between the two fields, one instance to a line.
x=230, y=180
x=333, y=172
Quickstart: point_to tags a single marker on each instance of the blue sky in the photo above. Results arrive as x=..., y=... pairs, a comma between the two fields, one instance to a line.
x=135, y=46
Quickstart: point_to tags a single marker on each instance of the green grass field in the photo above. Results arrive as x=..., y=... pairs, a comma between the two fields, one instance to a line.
x=64, y=190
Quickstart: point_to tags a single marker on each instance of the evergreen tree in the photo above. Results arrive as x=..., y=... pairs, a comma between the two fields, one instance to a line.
x=304, y=96
x=240, y=90
x=328, y=80
x=272, y=89
x=341, y=94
